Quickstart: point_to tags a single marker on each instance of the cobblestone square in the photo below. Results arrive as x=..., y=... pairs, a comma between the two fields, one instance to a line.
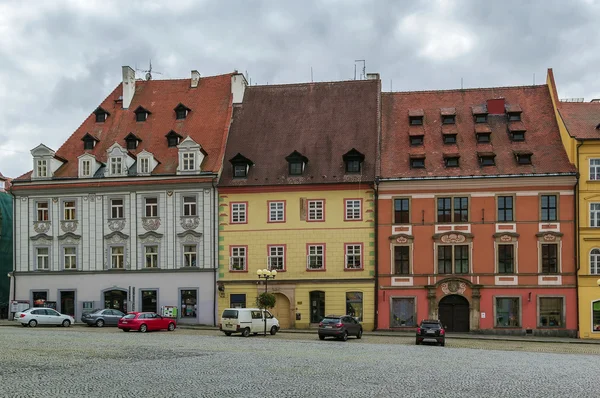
x=91, y=362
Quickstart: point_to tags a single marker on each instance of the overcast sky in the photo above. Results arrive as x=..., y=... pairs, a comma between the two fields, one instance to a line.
x=60, y=59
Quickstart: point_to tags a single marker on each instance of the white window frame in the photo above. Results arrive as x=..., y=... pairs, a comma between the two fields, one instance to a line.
x=119, y=209
x=45, y=210
x=144, y=165
x=238, y=254
x=151, y=208
x=188, y=160
x=353, y=209
x=190, y=255
x=276, y=258
x=117, y=258
x=69, y=212
x=594, y=169
x=42, y=259
x=595, y=261
x=190, y=208
x=150, y=256
x=42, y=168
x=594, y=215
x=316, y=210
x=69, y=259
x=239, y=212
x=116, y=166
x=277, y=211
x=86, y=168
x=352, y=251
x=315, y=252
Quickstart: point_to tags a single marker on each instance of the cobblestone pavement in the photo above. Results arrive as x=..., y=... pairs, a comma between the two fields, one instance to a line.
x=91, y=362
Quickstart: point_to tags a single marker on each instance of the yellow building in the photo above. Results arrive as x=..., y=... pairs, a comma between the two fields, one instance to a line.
x=297, y=197
x=579, y=124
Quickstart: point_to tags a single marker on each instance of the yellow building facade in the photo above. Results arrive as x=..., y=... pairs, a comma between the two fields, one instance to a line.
x=320, y=239
x=578, y=123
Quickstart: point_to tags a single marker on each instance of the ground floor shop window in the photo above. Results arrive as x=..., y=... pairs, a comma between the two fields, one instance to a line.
x=403, y=312
x=507, y=312
x=40, y=298
x=188, y=303
x=596, y=316
x=149, y=300
x=237, y=301
x=551, y=311
x=354, y=305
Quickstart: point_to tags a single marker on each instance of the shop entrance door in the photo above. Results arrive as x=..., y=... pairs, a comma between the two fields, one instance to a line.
x=67, y=302
x=454, y=313
x=317, y=306
x=116, y=300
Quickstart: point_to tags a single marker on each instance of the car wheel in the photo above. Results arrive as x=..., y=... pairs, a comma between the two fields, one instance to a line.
x=171, y=327
x=126, y=330
x=24, y=325
x=273, y=330
x=321, y=337
x=66, y=323
x=359, y=335
x=417, y=342
x=227, y=333
x=246, y=332
x=100, y=323
x=345, y=336
x=32, y=323
x=255, y=334
x=143, y=328
x=443, y=343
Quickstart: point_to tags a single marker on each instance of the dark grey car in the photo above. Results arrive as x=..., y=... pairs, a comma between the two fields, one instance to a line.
x=103, y=317
x=340, y=327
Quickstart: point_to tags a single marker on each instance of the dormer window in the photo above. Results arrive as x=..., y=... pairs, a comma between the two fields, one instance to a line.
x=172, y=139
x=296, y=163
x=240, y=170
x=417, y=162
x=513, y=112
x=487, y=159
x=241, y=165
x=451, y=161
x=353, y=161
x=132, y=141
x=415, y=117
x=514, y=117
x=483, y=138
x=517, y=135
x=181, y=111
x=86, y=168
x=189, y=161
x=448, y=119
x=144, y=165
x=101, y=115
x=42, y=168
x=89, y=142
x=190, y=157
x=481, y=118
x=449, y=139
x=523, y=158
x=416, y=140
x=141, y=114
x=116, y=166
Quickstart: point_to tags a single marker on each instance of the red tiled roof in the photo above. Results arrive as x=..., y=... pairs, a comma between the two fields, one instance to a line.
x=322, y=121
x=581, y=119
x=206, y=124
x=448, y=111
x=542, y=137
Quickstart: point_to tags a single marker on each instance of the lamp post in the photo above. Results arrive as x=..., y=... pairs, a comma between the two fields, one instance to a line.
x=266, y=275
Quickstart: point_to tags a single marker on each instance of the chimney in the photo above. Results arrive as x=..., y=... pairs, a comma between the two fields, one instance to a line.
x=195, y=78
x=372, y=76
x=238, y=86
x=128, y=86
x=495, y=106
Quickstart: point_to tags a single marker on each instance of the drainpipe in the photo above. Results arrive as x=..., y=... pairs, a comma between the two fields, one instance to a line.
x=215, y=249
x=577, y=245
x=376, y=196
x=14, y=257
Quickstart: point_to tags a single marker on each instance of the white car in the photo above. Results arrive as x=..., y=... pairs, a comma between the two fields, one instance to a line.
x=43, y=316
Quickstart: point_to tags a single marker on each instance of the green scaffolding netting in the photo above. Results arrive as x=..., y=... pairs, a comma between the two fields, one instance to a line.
x=6, y=249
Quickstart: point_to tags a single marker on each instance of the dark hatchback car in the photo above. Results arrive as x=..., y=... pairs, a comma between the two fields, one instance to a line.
x=339, y=327
x=101, y=317
x=432, y=331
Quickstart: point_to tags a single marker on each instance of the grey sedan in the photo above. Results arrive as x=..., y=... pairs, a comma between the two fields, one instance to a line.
x=101, y=317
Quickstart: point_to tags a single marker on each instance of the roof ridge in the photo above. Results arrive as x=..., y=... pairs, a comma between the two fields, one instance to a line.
x=311, y=83
x=462, y=89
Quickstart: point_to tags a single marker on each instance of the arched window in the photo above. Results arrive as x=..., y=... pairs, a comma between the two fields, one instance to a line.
x=595, y=262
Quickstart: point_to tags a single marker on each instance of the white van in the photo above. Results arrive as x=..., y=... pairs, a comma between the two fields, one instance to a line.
x=246, y=321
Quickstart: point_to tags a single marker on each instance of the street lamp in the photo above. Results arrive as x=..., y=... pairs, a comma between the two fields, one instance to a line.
x=266, y=275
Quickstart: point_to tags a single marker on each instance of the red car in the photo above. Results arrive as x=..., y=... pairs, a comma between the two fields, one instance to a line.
x=145, y=321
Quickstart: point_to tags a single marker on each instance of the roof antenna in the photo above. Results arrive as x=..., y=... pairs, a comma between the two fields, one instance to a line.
x=311, y=74
x=148, y=72
x=461, y=83
x=364, y=69
x=391, y=89
x=534, y=78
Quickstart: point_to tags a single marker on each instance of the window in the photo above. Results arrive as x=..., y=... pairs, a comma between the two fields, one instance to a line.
x=594, y=169
x=131, y=143
x=507, y=312
x=116, y=208
x=594, y=214
x=151, y=256
x=451, y=161
x=449, y=139
x=487, y=160
x=448, y=119
x=514, y=117
x=505, y=208
x=276, y=211
x=116, y=166
x=100, y=117
x=353, y=209
x=453, y=209
x=401, y=260
x=70, y=257
x=237, y=261
x=276, y=260
x=316, y=257
x=189, y=206
x=517, y=136
x=506, y=259
x=86, y=167
x=240, y=170
x=453, y=258
x=42, y=211
x=417, y=163
x=42, y=258
x=353, y=166
x=315, y=210
x=403, y=312
x=354, y=305
x=416, y=140
x=141, y=116
x=401, y=211
x=524, y=158
x=151, y=206
x=144, y=165
x=188, y=160
x=481, y=118
x=180, y=113
x=596, y=316
x=550, y=258
x=42, y=168
x=189, y=300
x=117, y=257
x=551, y=311
x=295, y=168
x=69, y=210
x=483, y=138
x=189, y=255
x=548, y=207
x=172, y=139
x=595, y=262
x=353, y=256
x=415, y=120
x=238, y=213
x=88, y=144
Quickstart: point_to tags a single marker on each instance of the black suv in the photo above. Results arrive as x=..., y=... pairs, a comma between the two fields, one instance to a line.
x=339, y=327
x=431, y=330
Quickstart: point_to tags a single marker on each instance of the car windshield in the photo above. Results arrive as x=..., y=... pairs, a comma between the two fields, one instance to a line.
x=129, y=316
x=330, y=320
x=233, y=314
x=430, y=325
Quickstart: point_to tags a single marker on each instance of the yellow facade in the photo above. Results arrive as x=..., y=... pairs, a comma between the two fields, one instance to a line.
x=296, y=284
x=588, y=191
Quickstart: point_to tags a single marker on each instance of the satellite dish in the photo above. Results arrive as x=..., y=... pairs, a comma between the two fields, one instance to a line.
x=148, y=76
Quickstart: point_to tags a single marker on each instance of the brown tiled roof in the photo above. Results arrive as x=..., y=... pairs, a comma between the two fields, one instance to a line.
x=581, y=119
x=513, y=108
x=542, y=139
x=322, y=121
x=206, y=124
x=479, y=109
x=482, y=128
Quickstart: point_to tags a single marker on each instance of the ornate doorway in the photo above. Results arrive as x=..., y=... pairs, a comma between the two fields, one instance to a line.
x=454, y=313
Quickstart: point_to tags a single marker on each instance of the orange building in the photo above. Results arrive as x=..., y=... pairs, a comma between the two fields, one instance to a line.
x=475, y=213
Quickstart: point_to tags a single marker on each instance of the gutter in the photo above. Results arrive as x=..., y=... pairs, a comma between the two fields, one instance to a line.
x=389, y=179
x=215, y=249
x=577, y=245
x=376, y=198
x=14, y=257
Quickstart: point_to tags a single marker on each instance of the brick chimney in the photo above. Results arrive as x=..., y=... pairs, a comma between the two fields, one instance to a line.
x=128, y=86
x=195, y=79
x=495, y=106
